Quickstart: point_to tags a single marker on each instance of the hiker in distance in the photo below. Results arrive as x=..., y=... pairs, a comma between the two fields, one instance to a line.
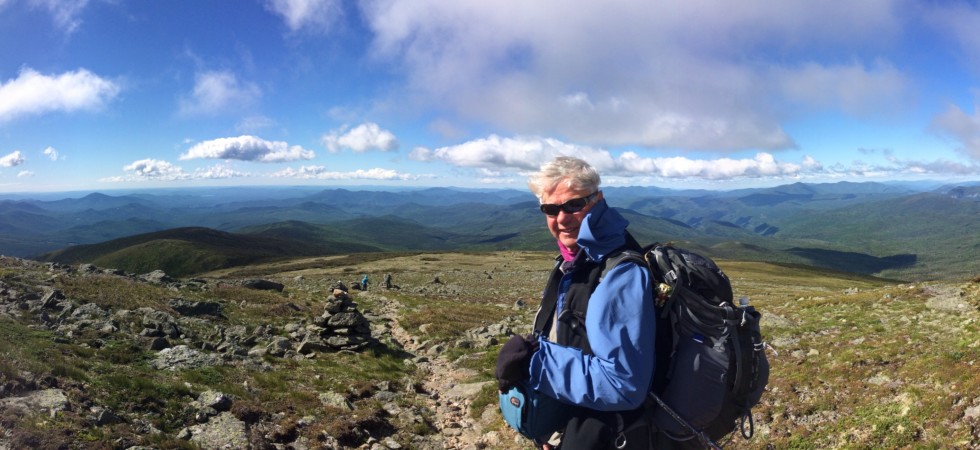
x=590, y=373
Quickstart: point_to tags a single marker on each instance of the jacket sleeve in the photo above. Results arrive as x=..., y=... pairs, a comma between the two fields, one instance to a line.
x=620, y=322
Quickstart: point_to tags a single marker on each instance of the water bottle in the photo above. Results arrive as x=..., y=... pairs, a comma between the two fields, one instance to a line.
x=743, y=303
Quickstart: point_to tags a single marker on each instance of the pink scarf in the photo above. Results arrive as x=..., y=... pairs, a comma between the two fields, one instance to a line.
x=566, y=253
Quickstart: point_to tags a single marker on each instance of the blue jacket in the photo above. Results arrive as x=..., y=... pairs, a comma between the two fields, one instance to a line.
x=619, y=323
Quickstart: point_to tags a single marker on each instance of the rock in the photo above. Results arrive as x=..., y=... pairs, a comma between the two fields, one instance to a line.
x=346, y=320
x=52, y=298
x=102, y=416
x=972, y=412
x=157, y=277
x=50, y=400
x=466, y=390
x=214, y=399
x=223, y=431
x=279, y=346
x=336, y=400
x=312, y=344
x=159, y=343
x=263, y=285
x=189, y=308
x=183, y=357
x=159, y=323
x=88, y=311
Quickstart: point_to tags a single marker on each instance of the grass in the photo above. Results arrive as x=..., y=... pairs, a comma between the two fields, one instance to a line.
x=862, y=362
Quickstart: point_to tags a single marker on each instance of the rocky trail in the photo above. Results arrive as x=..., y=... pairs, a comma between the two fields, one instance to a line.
x=446, y=388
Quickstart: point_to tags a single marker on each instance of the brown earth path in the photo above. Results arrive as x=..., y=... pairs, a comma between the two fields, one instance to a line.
x=447, y=390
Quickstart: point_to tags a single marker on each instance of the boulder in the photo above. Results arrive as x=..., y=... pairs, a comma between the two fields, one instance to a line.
x=193, y=308
x=263, y=285
x=50, y=400
x=183, y=357
x=220, y=432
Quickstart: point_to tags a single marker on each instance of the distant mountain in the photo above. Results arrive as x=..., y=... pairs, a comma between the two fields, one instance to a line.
x=184, y=251
x=905, y=231
x=940, y=230
x=94, y=201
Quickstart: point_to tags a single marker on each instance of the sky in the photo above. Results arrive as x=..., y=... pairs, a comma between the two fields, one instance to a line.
x=125, y=94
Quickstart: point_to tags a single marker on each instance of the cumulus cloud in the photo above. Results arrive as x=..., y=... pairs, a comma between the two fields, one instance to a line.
x=33, y=93
x=51, y=153
x=154, y=168
x=149, y=170
x=25, y=174
x=762, y=165
x=497, y=155
x=157, y=170
x=247, y=148
x=216, y=92
x=315, y=15
x=12, y=159
x=522, y=153
x=362, y=138
x=707, y=87
x=321, y=173
x=961, y=127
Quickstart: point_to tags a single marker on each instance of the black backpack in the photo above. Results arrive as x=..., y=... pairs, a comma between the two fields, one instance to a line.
x=711, y=366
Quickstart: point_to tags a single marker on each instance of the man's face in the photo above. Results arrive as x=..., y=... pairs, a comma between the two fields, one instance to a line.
x=565, y=226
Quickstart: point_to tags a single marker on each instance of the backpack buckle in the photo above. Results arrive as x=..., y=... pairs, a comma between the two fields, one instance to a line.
x=620, y=440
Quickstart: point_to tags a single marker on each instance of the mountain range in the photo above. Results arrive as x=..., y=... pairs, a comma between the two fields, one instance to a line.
x=901, y=231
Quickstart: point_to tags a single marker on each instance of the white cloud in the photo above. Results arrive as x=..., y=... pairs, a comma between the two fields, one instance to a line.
x=156, y=170
x=364, y=137
x=217, y=172
x=51, y=153
x=511, y=65
x=961, y=127
x=762, y=165
x=321, y=173
x=32, y=93
x=25, y=174
x=495, y=152
x=216, y=92
x=150, y=169
x=247, y=148
x=12, y=159
x=498, y=155
x=315, y=15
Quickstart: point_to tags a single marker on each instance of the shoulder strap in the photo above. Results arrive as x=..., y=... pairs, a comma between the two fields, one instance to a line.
x=617, y=258
x=630, y=251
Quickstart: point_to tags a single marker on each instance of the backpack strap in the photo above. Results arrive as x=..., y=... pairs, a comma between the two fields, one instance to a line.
x=617, y=258
x=630, y=251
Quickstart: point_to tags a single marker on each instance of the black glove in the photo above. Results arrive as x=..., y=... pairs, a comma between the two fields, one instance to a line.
x=513, y=361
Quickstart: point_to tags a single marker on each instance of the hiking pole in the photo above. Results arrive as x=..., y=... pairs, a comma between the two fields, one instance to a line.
x=698, y=434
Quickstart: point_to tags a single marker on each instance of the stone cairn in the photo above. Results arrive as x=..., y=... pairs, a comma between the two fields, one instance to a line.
x=340, y=327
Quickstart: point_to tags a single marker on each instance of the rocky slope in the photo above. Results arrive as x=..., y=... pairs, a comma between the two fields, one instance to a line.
x=279, y=356
x=194, y=327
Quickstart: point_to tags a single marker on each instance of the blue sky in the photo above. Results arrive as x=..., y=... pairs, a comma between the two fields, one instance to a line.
x=115, y=94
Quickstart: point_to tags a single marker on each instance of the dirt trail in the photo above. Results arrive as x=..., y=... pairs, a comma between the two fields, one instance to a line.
x=445, y=388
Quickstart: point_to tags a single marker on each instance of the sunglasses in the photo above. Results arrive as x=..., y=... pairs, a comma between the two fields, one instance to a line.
x=572, y=206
